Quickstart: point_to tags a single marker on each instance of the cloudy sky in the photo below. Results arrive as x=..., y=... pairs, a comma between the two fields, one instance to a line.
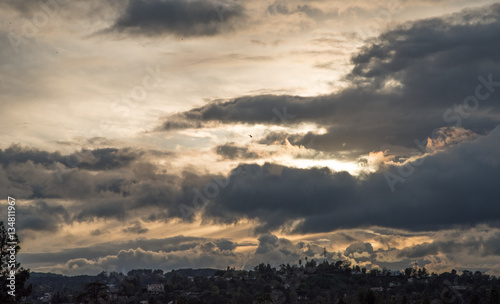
x=213, y=133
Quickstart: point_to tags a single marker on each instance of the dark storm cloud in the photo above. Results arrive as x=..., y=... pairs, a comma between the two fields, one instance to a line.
x=98, y=159
x=475, y=245
x=97, y=184
x=40, y=216
x=404, y=84
x=422, y=250
x=141, y=187
x=178, y=17
x=179, y=124
x=232, y=151
x=107, y=158
x=102, y=208
x=454, y=187
x=277, y=251
x=106, y=183
x=19, y=154
x=279, y=138
x=267, y=243
x=225, y=244
x=249, y=109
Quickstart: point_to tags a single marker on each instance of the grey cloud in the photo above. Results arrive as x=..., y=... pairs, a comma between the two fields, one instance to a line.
x=275, y=251
x=480, y=244
x=291, y=199
x=449, y=249
x=171, y=244
x=178, y=17
x=179, y=251
x=314, y=12
x=282, y=8
x=125, y=260
x=224, y=244
x=166, y=253
x=267, y=243
x=232, y=151
x=174, y=124
x=250, y=109
x=433, y=197
x=97, y=159
x=421, y=250
x=102, y=208
x=98, y=186
x=103, y=193
x=136, y=228
x=41, y=216
x=401, y=87
x=21, y=6
x=96, y=232
x=279, y=138
x=359, y=248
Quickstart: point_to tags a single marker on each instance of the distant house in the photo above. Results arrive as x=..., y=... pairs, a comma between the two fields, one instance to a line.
x=112, y=287
x=460, y=287
x=47, y=297
x=395, y=273
x=155, y=289
x=394, y=284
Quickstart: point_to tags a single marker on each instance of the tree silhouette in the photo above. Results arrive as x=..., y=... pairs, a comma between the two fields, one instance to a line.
x=370, y=297
x=181, y=300
x=404, y=300
x=426, y=299
x=8, y=251
x=494, y=295
x=94, y=293
x=475, y=298
x=265, y=299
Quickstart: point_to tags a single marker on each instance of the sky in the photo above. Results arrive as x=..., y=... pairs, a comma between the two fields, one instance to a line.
x=170, y=134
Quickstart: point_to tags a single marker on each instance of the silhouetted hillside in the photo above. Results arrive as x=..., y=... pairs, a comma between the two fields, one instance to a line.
x=324, y=283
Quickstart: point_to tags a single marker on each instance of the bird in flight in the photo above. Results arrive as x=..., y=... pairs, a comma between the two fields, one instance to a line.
x=250, y=136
